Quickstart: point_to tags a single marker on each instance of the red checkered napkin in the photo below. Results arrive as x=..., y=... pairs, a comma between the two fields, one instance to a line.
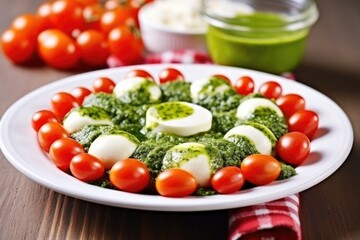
x=276, y=220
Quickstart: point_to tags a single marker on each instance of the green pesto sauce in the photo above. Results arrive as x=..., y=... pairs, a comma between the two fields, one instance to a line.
x=246, y=145
x=271, y=51
x=93, y=112
x=172, y=110
x=212, y=86
x=176, y=91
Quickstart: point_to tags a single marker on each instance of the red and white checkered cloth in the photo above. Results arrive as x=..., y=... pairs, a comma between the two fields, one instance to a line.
x=276, y=220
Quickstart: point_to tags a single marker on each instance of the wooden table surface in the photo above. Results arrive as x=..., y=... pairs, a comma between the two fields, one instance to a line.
x=329, y=210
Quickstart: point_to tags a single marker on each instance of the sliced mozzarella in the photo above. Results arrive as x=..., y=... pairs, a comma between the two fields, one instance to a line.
x=193, y=158
x=135, y=84
x=198, y=121
x=75, y=121
x=263, y=141
x=246, y=108
x=113, y=148
x=204, y=86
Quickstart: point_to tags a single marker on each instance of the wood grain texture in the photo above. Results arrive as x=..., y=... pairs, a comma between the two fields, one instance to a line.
x=329, y=211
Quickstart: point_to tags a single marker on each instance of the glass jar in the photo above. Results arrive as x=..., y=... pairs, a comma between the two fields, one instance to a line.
x=265, y=35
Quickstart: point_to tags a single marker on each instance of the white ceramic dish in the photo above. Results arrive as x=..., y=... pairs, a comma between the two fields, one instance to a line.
x=18, y=144
x=159, y=37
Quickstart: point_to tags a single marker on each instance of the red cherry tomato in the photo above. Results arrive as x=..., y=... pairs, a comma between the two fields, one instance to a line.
x=85, y=3
x=170, y=74
x=290, y=103
x=126, y=45
x=57, y=49
x=244, y=85
x=260, y=169
x=222, y=77
x=86, y=167
x=17, y=45
x=103, y=84
x=49, y=133
x=29, y=24
x=93, y=48
x=271, y=90
x=130, y=175
x=66, y=15
x=175, y=182
x=228, y=180
x=80, y=93
x=293, y=148
x=62, y=103
x=138, y=73
x=44, y=11
x=63, y=150
x=41, y=117
x=119, y=16
x=92, y=15
x=304, y=121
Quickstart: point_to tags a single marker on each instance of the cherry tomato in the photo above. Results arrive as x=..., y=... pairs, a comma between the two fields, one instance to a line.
x=175, y=182
x=170, y=74
x=228, y=180
x=130, y=175
x=120, y=16
x=63, y=150
x=80, y=93
x=92, y=15
x=293, y=147
x=66, y=15
x=260, y=169
x=103, y=84
x=62, y=103
x=17, y=45
x=86, y=167
x=57, y=49
x=222, y=77
x=290, y=103
x=85, y=3
x=29, y=24
x=49, y=133
x=41, y=117
x=125, y=43
x=271, y=90
x=304, y=121
x=244, y=85
x=93, y=48
x=138, y=73
x=44, y=11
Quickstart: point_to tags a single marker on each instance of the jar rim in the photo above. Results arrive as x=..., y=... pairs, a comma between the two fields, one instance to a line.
x=296, y=22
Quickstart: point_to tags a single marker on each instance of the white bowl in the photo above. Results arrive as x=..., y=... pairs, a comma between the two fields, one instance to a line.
x=159, y=37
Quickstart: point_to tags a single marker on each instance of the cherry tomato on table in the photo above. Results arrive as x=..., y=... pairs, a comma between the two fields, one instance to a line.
x=17, y=45
x=120, y=16
x=244, y=85
x=270, y=89
x=170, y=74
x=103, y=84
x=85, y=3
x=41, y=117
x=304, y=121
x=175, y=182
x=130, y=175
x=86, y=167
x=260, y=169
x=63, y=150
x=290, y=103
x=57, y=49
x=126, y=44
x=66, y=15
x=44, y=11
x=293, y=148
x=62, y=103
x=29, y=24
x=93, y=48
x=228, y=180
x=92, y=16
x=49, y=133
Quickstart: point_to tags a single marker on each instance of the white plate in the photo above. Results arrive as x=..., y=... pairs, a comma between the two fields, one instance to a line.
x=18, y=144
